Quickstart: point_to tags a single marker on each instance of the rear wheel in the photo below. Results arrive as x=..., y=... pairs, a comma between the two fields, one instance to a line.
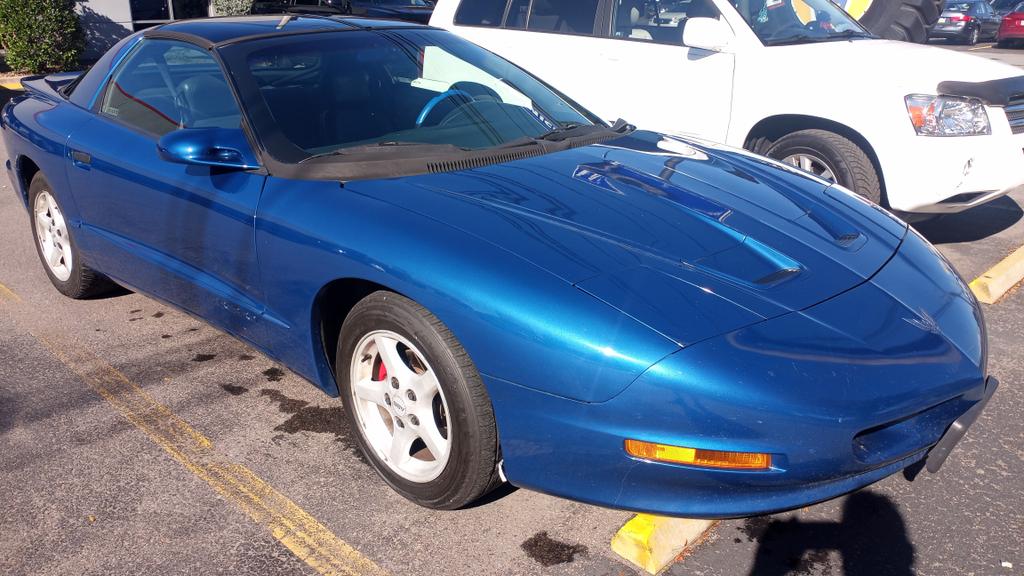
x=55, y=246
x=831, y=157
x=422, y=415
x=972, y=37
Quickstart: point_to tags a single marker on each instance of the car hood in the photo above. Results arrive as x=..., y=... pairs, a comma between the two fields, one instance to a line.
x=690, y=239
x=908, y=67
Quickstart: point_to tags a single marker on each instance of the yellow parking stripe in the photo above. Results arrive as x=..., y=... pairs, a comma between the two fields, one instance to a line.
x=309, y=540
x=8, y=294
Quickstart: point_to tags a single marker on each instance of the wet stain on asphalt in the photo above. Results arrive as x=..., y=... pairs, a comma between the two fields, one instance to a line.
x=549, y=552
x=754, y=528
x=234, y=390
x=246, y=357
x=203, y=357
x=274, y=374
x=306, y=418
x=134, y=319
x=136, y=311
x=192, y=330
x=165, y=336
x=158, y=315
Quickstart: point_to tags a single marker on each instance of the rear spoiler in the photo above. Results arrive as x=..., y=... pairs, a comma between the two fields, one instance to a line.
x=49, y=86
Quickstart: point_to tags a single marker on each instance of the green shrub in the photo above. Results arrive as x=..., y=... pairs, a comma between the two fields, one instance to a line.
x=232, y=7
x=40, y=35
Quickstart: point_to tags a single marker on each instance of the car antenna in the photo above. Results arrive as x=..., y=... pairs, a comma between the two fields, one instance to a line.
x=284, y=20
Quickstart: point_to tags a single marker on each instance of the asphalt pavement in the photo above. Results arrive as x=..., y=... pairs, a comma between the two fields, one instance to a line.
x=89, y=484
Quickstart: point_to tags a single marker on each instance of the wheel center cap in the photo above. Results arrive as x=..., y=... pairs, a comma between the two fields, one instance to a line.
x=398, y=405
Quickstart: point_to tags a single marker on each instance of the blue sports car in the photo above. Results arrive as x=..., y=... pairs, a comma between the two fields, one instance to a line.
x=495, y=282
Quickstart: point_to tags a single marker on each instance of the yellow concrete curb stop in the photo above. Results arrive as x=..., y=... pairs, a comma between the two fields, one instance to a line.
x=11, y=85
x=653, y=542
x=990, y=286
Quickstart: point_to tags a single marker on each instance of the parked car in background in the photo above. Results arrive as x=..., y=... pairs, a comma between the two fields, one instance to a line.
x=494, y=281
x=915, y=128
x=1004, y=7
x=1011, y=30
x=311, y=7
x=411, y=10
x=966, y=22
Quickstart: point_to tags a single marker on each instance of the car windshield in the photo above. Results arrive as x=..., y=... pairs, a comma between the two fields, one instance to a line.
x=329, y=92
x=779, y=22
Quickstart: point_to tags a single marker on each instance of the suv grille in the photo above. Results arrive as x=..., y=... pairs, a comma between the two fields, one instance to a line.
x=1015, y=113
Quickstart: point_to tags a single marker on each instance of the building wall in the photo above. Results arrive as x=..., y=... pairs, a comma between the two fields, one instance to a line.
x=107, y=21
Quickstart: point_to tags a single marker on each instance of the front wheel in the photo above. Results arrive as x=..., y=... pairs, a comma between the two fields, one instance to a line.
x=55, y=246
x=972, y=37
x=420, y=411
x=831, y=157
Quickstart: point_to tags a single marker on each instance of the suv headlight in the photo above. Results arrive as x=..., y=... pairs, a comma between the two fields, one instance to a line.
x=947, y=115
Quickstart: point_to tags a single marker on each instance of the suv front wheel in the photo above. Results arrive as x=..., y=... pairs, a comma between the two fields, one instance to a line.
x=831, y=157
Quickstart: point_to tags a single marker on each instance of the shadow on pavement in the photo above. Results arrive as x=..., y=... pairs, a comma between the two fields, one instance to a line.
x=974, y=224
x=871, y=538
x=6, y=95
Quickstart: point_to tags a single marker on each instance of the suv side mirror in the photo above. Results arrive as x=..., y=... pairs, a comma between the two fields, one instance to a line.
x=712, y=34
x=218, y=147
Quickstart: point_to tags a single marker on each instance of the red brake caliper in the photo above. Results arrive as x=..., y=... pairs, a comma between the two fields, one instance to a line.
x=382, y=372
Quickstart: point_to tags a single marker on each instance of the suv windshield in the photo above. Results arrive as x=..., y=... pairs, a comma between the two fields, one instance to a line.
x=778, y=22
x=328, y=93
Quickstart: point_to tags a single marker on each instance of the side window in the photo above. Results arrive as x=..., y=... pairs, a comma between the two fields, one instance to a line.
x=480, y=12
x=517, y=11
x=165, y=85
x=659, y=22
x=567, y=16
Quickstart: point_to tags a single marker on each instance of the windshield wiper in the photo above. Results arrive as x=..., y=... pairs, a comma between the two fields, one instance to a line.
x=574, y=130
x=386, y=145
x=808, y=38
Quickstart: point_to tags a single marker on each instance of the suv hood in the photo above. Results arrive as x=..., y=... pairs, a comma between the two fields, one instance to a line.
x=907, y=67
x=665, y=230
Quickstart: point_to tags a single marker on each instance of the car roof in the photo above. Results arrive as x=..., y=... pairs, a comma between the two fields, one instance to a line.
x=230, y=28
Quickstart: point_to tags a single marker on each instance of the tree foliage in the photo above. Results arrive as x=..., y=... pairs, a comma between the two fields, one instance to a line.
x=40, y=35
x=232, y=7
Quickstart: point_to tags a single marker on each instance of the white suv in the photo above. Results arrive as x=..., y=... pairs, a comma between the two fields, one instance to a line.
x=915, y=128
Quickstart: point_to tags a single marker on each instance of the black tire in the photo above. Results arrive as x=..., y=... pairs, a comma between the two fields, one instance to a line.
x=471, y=470
x=848, y=162
x=973, y=35
x=83, y=282
x=906, y=20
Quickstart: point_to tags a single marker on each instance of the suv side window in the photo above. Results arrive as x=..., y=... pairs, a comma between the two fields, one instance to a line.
x=660, y=22
x=480, y=12
x=566, y=16
x=165, y=85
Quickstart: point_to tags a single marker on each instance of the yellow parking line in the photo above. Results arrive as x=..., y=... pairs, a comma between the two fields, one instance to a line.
x=8, y=294
x=978, y=48
x=998, y=280
x=309, y=540
x=11, y=85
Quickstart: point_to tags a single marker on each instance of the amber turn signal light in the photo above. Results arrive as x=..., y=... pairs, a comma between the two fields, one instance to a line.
x=698, y=456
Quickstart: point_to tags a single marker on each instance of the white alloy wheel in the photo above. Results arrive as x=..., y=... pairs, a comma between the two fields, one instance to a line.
x=401, y=410
x=811, y=163
x=52, y=233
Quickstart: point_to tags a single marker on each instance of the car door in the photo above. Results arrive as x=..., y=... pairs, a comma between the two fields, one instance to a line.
x=183, y=233
x=992, y=20
x=589, y=50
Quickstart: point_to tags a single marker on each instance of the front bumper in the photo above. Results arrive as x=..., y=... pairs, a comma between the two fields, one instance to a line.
x=941, y=175
x=841, y=394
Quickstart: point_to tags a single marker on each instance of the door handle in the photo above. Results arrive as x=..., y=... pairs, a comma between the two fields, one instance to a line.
x=81, y=159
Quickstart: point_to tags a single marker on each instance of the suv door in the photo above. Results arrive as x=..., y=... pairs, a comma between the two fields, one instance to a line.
x=589, y=50
x=183, y=233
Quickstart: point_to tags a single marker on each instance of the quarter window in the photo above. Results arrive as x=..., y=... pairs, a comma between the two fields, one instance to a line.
x=567, y=16
x=165, y=85
x=480, y=12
